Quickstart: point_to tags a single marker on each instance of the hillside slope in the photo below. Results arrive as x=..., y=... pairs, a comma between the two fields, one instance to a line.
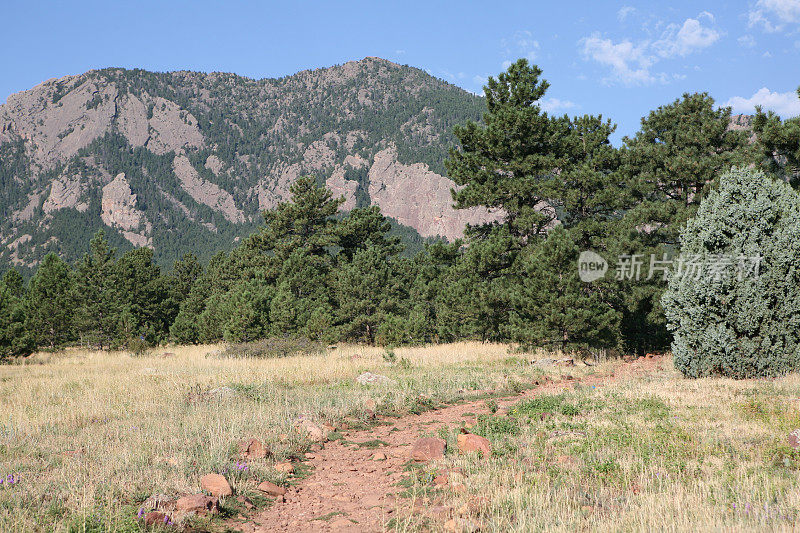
x=185, y=161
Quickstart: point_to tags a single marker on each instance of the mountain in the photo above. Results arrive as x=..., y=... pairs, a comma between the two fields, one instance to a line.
x=186, y=161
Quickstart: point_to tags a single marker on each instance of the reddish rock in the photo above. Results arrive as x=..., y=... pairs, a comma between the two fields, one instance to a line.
x=468, y=442
x=440, y=480
x=198, y=503
x=253, y=449
x=271, y=489
x=379, y=456
x=156, y=518
x=794, y=439
x=245, y=501
x=286, y=468
x=311, y=430
x=428, y=449
x=216, y=485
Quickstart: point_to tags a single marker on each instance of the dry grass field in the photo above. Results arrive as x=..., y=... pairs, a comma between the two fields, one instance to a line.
x=88, y=436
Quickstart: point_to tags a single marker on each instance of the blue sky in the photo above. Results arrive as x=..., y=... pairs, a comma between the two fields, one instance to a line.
x=621, y=59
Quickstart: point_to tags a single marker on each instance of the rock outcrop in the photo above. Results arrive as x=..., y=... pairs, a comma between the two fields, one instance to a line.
x=118, y=210
x=426, y=204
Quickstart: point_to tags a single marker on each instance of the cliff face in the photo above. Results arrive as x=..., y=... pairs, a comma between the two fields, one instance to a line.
x=183, y=160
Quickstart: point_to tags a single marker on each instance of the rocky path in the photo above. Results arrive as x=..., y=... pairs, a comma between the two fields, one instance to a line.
x=355, y=488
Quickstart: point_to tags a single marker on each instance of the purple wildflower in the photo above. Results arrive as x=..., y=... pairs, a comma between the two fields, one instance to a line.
x=140, y=513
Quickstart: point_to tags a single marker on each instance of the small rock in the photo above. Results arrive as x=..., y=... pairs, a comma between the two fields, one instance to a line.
x=794, y=439
x=459, y=487
x=271, y=489
x=370, y=404
x=198, y=503
x=216, y=485
x=156, y=518
x=312, y=430
x=253, y=449
x=245, y=501
x=310, y=456
x=428, y=449
x=379, y=456
x=368, y=378
x=566, y=377
x=340, y=523
x=440, y=480
x=286, y=468
x=451, y=525
x=468, y=442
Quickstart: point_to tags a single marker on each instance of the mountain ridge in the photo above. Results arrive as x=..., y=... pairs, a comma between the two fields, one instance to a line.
x=195, y=157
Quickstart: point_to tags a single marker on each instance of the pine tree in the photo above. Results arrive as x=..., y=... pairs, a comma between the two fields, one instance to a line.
x=509, y=162
x=14, y=339
x=50, y=304
x=779, y=144
x=552, y=307
x=670, y=165
x=142, y=297
x=365, y=294
x=96, y=294
x=673, y=159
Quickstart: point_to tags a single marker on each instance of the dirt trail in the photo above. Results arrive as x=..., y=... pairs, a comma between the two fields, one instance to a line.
x=349, y=491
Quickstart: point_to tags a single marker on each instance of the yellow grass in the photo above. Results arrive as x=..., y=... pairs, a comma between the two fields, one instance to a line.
x=92, y=434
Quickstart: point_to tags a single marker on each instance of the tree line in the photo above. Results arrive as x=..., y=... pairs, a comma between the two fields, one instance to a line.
x=560, y=184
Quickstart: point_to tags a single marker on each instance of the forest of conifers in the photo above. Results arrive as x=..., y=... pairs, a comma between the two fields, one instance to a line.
x=309, y=272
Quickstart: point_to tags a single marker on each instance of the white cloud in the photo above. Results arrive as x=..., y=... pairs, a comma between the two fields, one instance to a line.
x=691, y=36
x=625, y=12
x=746, y=41
x=774, y=15
x=629, y=62
x=785, y=104
x=521, y=44
x=551, y=105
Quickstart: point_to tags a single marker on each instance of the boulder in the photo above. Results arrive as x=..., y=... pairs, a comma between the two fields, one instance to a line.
x=253, y=449
x=271, y=489
x=199, y=504
x=216, y=485
x=469, y=442
x=428, y=449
